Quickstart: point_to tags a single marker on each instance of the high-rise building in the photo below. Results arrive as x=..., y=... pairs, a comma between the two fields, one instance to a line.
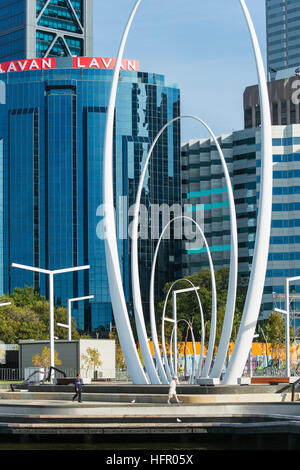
x=284, y=96
x=51, y=154
x=45, y=28
x=283, y=37
x=204, y=186
x=203, y=183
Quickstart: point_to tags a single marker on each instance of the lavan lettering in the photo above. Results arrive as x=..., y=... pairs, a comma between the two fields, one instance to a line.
x=104, y=63
x=27, y=64
x=76, y=63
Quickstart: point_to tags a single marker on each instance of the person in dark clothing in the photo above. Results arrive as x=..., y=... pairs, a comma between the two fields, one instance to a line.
x=78, y=388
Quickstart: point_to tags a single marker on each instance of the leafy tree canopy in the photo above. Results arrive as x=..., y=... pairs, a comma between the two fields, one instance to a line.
x=188, y=307
x=43, y=359
x=91, y=358
x=28, y=317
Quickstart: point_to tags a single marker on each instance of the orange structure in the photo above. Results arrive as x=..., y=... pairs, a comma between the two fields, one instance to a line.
x=258, y=349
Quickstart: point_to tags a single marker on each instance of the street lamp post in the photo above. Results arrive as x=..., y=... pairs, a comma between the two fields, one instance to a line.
x=287, y=339
x=250, y=358
x=69, y=325
x=287, y=313
x=174, y=320
x=51, y=298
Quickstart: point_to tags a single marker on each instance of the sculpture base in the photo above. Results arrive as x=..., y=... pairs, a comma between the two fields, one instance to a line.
x=244, y=381
x=207, y=381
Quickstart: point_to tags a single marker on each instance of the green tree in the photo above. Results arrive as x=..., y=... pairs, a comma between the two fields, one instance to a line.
x=43, y=359
x=120, y=360
x=28, y=317
x=61, y=316
x=91, y=359
x=276, y=329
x=25, y=297
x=188, y=308
x=20, y=323
x=275, y=332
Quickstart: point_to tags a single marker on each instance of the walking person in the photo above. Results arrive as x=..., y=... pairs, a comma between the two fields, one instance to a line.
x=78, y=388
x=172, y=390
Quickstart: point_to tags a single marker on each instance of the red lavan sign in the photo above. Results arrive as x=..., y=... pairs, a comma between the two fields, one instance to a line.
x=78, y=63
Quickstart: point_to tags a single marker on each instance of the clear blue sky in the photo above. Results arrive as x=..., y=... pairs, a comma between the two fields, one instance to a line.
x=202, y=46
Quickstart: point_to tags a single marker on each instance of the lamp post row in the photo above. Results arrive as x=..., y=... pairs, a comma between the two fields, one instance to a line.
x=287, y=327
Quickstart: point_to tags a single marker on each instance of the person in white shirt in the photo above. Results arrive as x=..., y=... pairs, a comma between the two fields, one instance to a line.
x=172, y=390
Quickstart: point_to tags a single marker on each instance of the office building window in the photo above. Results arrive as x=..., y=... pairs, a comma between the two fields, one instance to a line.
x=293, y=116
x=283, y=113
x=275, y=114
x=257, y=116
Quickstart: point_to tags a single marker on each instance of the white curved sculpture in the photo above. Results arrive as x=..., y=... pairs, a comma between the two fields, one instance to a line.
x=168, y=372
x=111, y=249
x=257, y=277
x=232, y=284
x=261, y=248
x=212, y=336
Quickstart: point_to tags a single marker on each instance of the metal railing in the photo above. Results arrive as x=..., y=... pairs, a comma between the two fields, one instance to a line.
x=14, y=386
x=51, y=368
x=275, y=368
x=270, y=371
x=8, y=375
x=18, y=374
x=29, y=378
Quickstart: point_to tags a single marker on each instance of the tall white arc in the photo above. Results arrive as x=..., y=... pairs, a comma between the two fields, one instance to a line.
x=212, y=336
x=192, y=376
x=163, y=340
x=111, y=248
x=232, y=284
x=261, y=248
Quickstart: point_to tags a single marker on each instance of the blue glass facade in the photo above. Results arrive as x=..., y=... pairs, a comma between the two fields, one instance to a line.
x=59, y=16
x=45, y=28
x=51, y=150
x=13, y=30
x=283, y=34
x=204, y=183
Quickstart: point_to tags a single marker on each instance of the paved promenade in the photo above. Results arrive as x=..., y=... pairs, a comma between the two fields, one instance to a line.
x=126, y=410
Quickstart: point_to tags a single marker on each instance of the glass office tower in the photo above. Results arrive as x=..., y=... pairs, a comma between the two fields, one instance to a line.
x=52, y=134
x=45, y=28
x=283, y=37
x=203, y=182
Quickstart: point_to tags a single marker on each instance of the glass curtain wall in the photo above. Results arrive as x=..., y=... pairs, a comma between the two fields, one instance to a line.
x=53, y=135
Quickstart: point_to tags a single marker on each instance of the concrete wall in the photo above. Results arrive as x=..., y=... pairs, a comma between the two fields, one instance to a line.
x=70, y=354
x=107, y=350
